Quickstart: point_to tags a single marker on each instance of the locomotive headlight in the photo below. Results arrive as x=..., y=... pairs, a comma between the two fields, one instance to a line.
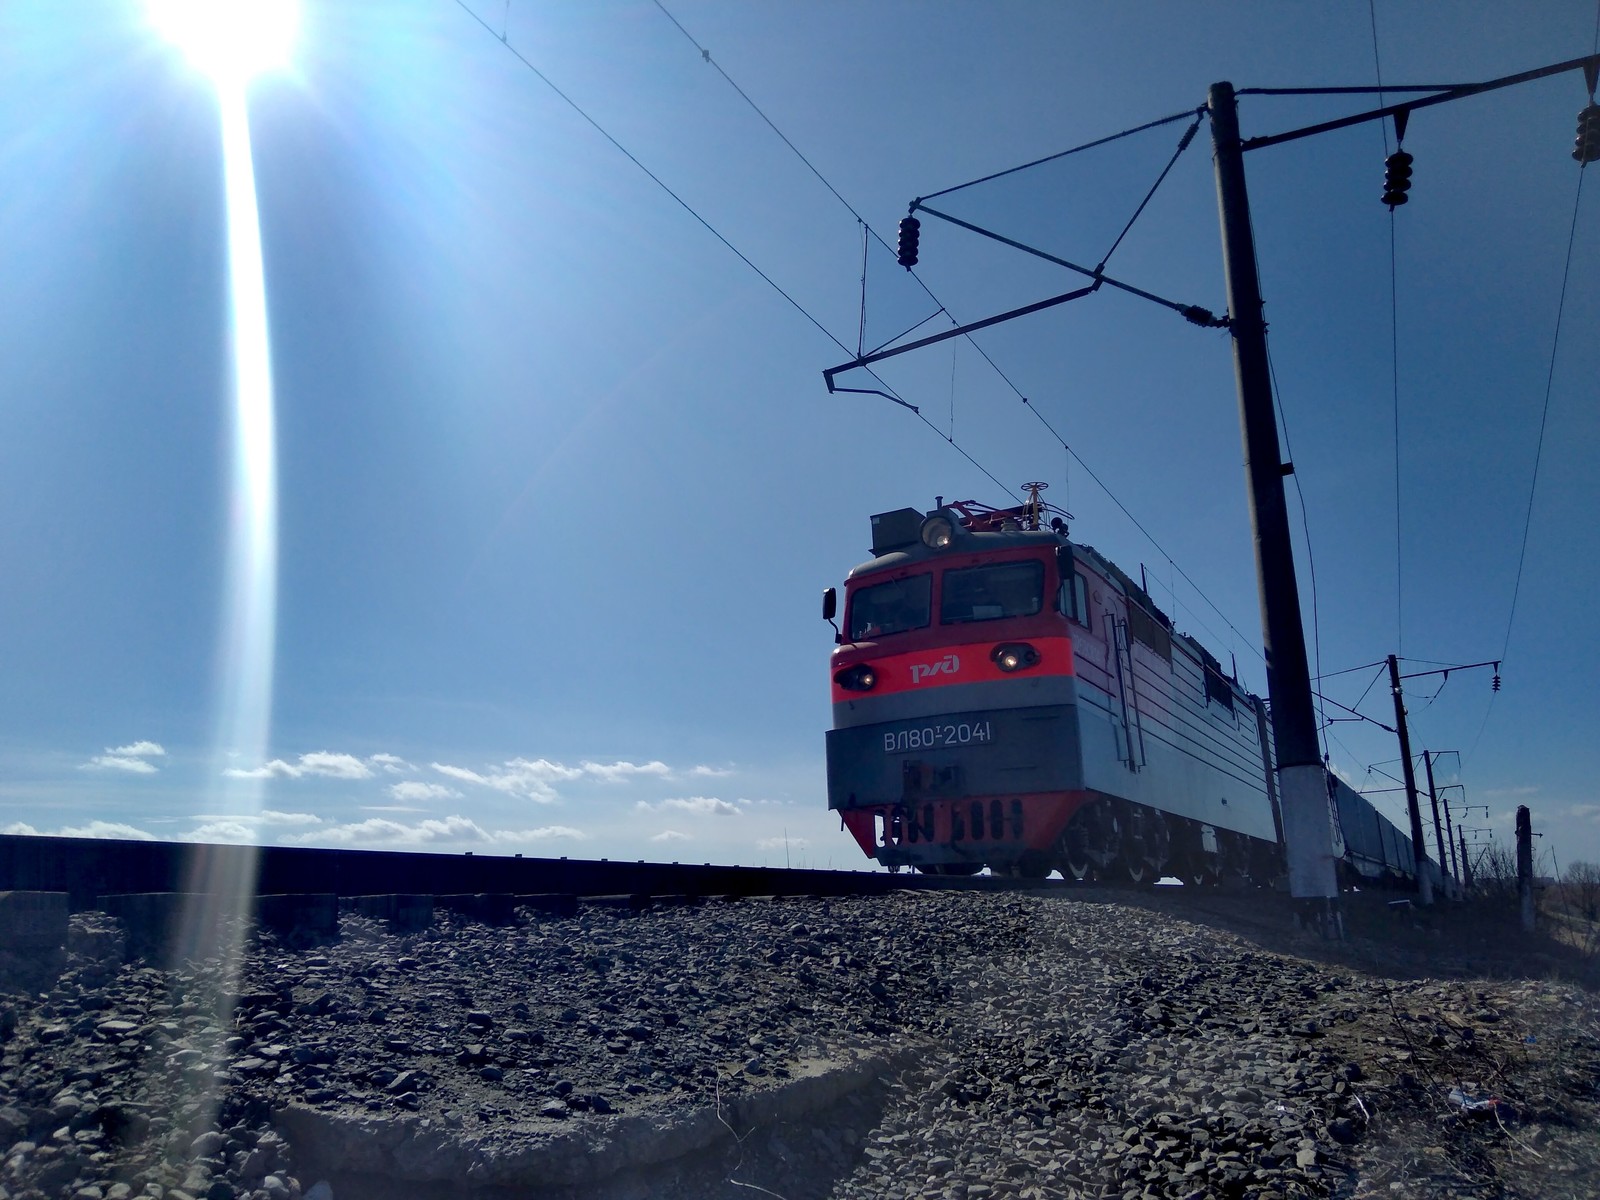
x=938, y=532
x=1013, y=656
x=859, y=678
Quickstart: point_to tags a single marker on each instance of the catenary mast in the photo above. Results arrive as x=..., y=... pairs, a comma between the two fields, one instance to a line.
x=1302, y=787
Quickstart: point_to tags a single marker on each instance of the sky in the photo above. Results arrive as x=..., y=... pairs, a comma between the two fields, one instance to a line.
x=558, y=482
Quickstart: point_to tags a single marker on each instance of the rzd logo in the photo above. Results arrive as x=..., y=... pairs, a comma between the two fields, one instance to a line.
x=948, y=665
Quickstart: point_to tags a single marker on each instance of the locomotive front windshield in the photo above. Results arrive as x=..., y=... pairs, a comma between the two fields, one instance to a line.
x=1014, y=589
x=886, y=608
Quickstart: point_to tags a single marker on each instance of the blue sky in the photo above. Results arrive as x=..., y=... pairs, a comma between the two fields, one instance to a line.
x=559, y=482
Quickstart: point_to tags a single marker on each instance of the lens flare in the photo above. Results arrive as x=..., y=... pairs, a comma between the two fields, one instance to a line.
x=230, y=40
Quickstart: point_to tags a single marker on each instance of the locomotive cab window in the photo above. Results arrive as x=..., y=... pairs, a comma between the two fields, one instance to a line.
x=888, y=608
x=1014, y=589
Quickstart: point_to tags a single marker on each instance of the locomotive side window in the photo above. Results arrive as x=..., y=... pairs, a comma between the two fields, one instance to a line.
x=894, y=607
x=1074, y=599
x=1013, y=589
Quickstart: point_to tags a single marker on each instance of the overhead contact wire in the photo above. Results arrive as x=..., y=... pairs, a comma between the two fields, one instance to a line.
x=1544, y=415
x=1196, y=113
x=1522, y=552
x=706, y=55
x=1394, y=353
x=654, y=178
x=687, y=207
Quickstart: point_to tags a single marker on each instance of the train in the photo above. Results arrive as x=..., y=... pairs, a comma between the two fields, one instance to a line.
x=1007, y=698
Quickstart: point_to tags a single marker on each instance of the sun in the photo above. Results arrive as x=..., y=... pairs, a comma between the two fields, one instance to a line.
x=230, y=40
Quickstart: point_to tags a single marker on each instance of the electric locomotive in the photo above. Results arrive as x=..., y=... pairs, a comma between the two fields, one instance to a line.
x=1005, y=697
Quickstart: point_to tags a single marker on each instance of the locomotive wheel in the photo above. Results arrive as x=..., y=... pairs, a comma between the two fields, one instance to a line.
x=1090, y=844
x=1233, y=862
x=1146, y=845
x=1198, y=873
x=1075, y=861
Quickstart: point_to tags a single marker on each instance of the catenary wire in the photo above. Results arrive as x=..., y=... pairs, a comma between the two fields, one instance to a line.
x=1305, y=528
x=1528, y=520
x=656, y=179
x=954, y=346
x=1183, y=144
x=1351, y=670
x=1039, y=162
x=1533, y=484
x=1073, y=454
x=706, y=55
x=1372, y=683
x=1394, y=355
x=1359, y=716
x=861, y=322
x=772, y=283
x=1544, y=414
x=717, y=234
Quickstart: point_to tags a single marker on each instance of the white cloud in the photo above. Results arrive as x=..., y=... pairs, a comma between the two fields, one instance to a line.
x=267, y=816
x=1590, y=812
x=669, y=835
x=710, y=772
x=321, y=762
x=391, y=808
x=380, y=831
x=139, y=750
x=462, y=773
x=618, y=771
x=698, y=805
x=221, y=831
x=94, y=829
x=415, y=789
x=536, y=779
x=107, y=829
x=778, y=843
x=530, y=779
x=1500, y=793
x=265, y=771
x=335, y=766
x=391, y=764
x=542, y=834
x=118, y=762
x=131, y=758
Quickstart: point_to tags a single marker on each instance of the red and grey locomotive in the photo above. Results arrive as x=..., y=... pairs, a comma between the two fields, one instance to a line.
x=1005, y=697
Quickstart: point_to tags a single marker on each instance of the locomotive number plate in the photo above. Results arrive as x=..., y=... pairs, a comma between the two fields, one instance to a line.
x=927, y=737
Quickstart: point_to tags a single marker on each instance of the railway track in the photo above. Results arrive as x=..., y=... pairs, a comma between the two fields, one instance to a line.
x=92, y=870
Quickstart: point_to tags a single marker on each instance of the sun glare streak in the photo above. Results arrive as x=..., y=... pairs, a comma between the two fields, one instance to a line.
x=251, y=622
x=230, y=42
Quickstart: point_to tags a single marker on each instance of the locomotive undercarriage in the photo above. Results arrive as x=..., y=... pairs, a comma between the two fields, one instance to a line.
x=1116, y=840
x=1106, y=839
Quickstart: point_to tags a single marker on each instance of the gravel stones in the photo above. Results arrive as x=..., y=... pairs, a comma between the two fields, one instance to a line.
x=986, y=1045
